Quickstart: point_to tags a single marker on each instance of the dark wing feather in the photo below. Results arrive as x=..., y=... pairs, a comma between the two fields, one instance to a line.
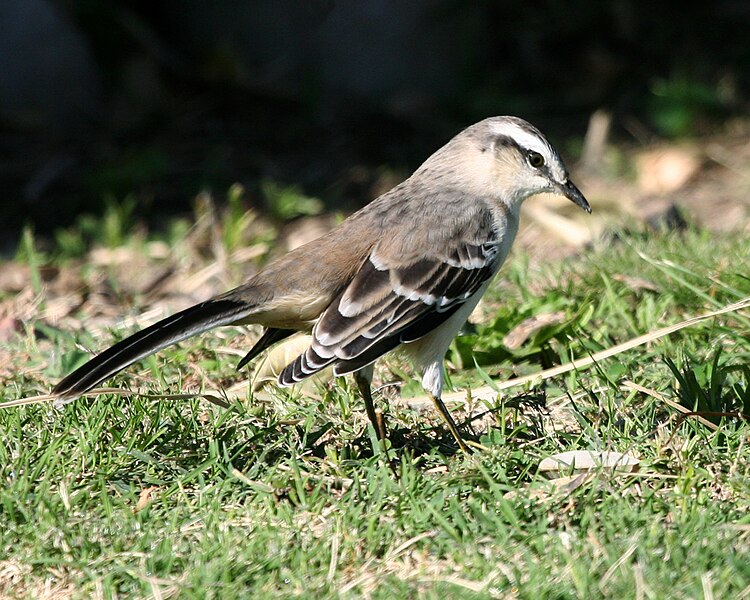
x=419, y=328
x=180, y=326
x=270, y=337
x=386, y=305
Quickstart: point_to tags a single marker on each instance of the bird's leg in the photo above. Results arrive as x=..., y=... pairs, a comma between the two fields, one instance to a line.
x=432, y=381
x=363, y=378
x=450, y=422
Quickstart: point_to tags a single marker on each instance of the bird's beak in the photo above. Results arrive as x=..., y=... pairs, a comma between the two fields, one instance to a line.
x=572, y=193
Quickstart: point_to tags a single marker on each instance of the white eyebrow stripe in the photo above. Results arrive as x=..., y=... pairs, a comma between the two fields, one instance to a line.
x=524, y=138
x=529, y=141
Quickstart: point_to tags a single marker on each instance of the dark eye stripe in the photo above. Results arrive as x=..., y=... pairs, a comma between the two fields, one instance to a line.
x=534, y=158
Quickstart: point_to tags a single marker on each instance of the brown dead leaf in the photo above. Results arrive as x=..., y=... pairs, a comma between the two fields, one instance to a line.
x=23, y=307
x=60, y=307
x=14, y=277
x=666, y=169
x=553, y=213
x=306, y=229
x=108, y=257
x=523, y=331
x=69, y=280
x=636, y=283
x=145, y=498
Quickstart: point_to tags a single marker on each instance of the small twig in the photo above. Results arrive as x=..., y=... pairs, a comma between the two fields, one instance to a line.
x=702, y=414
x=490, y=392
x=213, y=399
x=595, y=142
x=631, y=385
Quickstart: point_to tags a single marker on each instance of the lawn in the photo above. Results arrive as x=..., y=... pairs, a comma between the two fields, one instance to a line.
x=285, y=494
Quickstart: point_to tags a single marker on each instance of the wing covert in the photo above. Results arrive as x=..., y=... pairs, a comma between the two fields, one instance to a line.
x=391, y=301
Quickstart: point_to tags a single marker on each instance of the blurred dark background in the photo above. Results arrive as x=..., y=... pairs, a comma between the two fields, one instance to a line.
x=155, y=101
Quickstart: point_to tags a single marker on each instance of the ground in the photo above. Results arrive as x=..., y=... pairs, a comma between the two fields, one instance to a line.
x=143, y=495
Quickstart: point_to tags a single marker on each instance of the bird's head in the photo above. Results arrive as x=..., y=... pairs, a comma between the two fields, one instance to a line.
x=510, y=159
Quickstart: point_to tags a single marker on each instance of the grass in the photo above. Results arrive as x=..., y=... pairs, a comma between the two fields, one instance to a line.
x=284, y=494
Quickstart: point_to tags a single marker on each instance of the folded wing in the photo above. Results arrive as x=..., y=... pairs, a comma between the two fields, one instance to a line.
x=391, y=301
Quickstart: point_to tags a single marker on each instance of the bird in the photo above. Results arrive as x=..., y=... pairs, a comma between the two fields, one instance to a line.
x=403, y=272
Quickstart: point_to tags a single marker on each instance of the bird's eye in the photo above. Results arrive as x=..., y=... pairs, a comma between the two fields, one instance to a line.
x=535, y=159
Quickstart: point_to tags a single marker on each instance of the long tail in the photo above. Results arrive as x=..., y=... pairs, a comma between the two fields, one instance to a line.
x=180, y=326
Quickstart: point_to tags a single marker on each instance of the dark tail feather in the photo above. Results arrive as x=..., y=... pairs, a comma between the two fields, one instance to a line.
x=184, y=324
x=269, y=338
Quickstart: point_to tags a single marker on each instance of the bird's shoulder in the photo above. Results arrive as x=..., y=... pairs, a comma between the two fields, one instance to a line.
x=440, y=231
